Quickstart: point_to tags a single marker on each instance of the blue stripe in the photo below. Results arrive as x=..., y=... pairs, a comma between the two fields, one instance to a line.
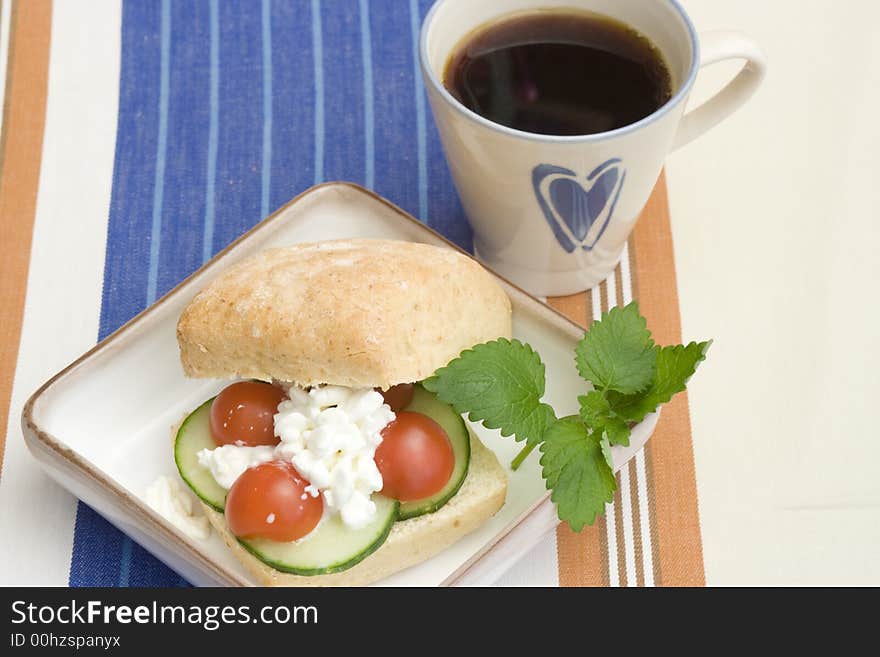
x=367, y=64
x=447, y=215
x=130, y=218
x=293, y=125
x=266, y=169
x=161, y=147
x=240, y=155
x=414, y=22
x=213, y=130
x=184, y=199
x=318, y=57
x=344, y=117
x=397, y=175
x=158, y=199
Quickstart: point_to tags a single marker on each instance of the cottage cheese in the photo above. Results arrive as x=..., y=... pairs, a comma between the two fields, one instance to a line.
x=228, y=462
x=330, y=434
x=169, y=499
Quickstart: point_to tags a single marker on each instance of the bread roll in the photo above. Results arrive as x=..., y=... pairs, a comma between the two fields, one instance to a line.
x=360, y=313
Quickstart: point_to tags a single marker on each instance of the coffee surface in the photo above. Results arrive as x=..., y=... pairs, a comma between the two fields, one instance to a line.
x=558, y=73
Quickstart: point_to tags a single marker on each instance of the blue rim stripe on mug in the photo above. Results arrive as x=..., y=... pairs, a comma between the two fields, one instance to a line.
x=673, y=102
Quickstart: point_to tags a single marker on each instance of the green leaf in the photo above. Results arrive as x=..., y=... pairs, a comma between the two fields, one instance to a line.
x=576, y=471
x=675, y=366
x=500, y=384
x=597, y=414
x=617, y=431
x=617, y=352
x=605, y=446
x=594, y=408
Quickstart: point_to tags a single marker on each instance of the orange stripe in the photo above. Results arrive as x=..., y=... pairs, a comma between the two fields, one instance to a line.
x=582, y=557
x=671, y=477
x=27, y=76
x=577, y=307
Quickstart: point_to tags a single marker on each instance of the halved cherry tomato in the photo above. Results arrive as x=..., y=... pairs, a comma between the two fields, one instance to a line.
x=415, y=457
x=398, y=397
x=270, y=501
x=243, y=414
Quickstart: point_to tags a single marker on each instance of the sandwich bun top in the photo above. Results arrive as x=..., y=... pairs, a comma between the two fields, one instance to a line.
x=359, y=313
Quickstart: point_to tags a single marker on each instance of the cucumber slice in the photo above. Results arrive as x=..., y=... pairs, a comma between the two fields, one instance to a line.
x=193, y=436
x=331, y=547
x=427, y=403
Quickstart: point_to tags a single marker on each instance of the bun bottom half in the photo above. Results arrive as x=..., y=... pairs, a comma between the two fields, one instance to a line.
x=410, y=541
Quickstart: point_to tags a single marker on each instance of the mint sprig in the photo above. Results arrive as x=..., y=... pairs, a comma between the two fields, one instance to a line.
x=501, y=383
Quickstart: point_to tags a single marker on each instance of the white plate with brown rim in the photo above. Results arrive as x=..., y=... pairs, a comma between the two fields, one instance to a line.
x=108, y=459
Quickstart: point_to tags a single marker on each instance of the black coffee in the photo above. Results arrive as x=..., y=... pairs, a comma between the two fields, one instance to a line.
x=559, y=73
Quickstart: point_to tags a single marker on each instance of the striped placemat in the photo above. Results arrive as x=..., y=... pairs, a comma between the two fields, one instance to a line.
x=650, y=535
x=219, y=113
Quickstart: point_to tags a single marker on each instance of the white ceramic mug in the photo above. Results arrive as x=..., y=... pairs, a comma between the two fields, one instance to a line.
x=552, y=213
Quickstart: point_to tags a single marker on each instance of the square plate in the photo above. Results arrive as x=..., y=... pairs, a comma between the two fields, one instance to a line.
x=108, y=459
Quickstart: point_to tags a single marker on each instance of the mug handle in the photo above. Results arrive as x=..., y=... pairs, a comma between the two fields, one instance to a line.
x=717, y=46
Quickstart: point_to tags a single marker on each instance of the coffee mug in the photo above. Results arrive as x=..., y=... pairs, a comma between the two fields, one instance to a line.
x=553, y=213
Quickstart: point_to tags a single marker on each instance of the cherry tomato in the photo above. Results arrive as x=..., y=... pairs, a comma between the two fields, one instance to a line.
x=270, y=501
x=415, y=457
x=398, y=397
x=243, y=414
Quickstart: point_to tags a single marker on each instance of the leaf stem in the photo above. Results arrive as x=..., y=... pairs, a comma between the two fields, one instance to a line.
x=522, y=456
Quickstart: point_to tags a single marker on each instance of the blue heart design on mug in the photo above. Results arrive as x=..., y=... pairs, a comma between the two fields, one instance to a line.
x=578, y=213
